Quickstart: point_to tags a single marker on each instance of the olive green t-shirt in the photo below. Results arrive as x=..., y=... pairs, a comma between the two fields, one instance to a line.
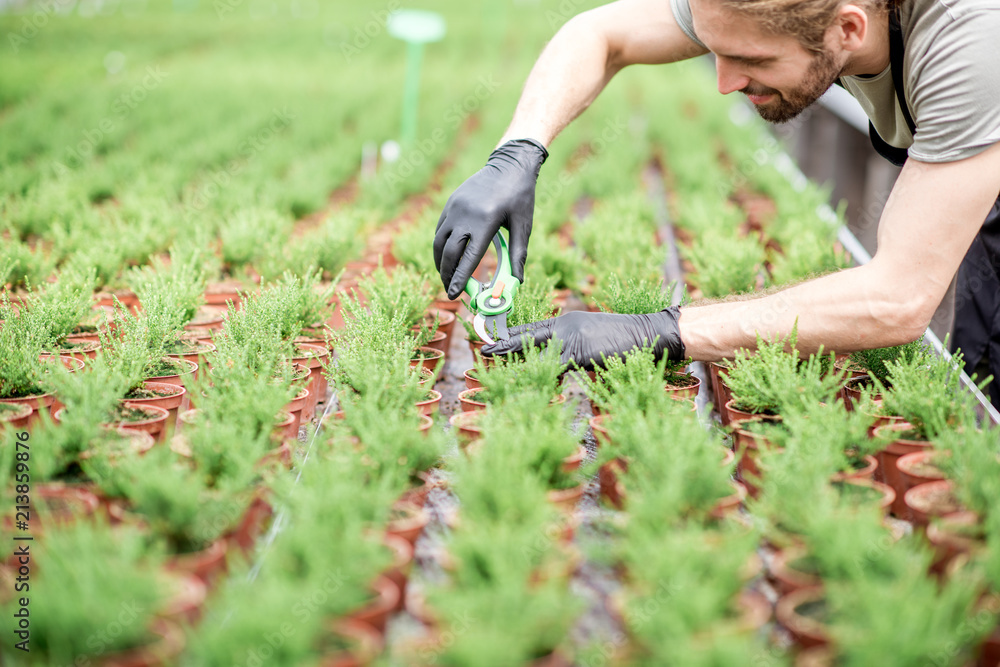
x=951, y=76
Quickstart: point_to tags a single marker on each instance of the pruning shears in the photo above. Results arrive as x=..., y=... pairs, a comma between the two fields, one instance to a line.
x=492, y=302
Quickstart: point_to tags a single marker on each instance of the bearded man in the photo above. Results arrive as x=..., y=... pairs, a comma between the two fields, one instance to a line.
x=927, y=74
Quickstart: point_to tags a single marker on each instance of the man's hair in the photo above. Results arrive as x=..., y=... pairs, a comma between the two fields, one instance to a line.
x=806, y=20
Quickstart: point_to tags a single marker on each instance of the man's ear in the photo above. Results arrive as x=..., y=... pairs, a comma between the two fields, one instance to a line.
x=850, y=27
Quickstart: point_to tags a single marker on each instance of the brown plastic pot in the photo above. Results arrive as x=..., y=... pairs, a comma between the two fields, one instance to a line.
x=410, y=525
x=186, y=604
x=198, y=355
x=888, y=495
x=17, y=418
x=684, y=391
x=429, y=405
x=376, y=612
x=866, y=471
x=208, y=317
x=468, y=401
x=806, y=631
x=178, y=378
x=720, y=391
x=218, y=294
x=611, y=487
x=365, y=644
x=439, y=342
x=933, y=499
x=916, y=468
x=566, y=500
x=731, y=503
x=575, y=460
x=207, y=564
x=37, y=403
x=81, y=350
x=476, y=346
x=285, y=429
x=313, y=357
x=466, y=427
x=294, y=408
x=244, y=536
x=788, y=579
x=171, y=398
x=471, y=381
x=889, y=457
x=429, y=358
x=164, y=650
x=946, y=536
x=54, y=504
x=402, y=563
x=852, y=394
x=154, y=424
x=599, y=425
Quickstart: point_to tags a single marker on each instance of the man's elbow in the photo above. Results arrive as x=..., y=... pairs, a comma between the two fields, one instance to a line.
x=905, y=317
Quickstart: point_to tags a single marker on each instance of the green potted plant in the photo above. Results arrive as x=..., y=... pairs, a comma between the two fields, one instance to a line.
x=872, y=363
x=537, y=371
x=111, y=587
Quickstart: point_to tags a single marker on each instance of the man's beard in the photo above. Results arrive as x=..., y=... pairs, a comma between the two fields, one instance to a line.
x=822, y=73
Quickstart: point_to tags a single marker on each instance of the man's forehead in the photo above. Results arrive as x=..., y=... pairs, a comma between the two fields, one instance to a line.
x=732, y=35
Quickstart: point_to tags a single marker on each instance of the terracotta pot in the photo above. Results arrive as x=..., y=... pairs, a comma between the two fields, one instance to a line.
x=171, y=398
x=866, y=471
x=161, y=651
x=208, y=317
x=244, y=536
x=465, y=426
x=730, y=503
x=737, y=415
x=81, y=350
x=476, y=347
x=53, y=504
x=684, y=391
x=851, y=392
x=430, y=359
x=315, y=358
x=932, y=499
x=747, y=445
x=566, y=499
x=285, y=429
x=430, y=405
x=198, y=354
x=178, y=378
x=446, y=304
x=720, y=391
x=208, y=564
x=139, y=443
x=427, y=378
x=575, y=460
x=366, y=644
x=806, y=631
x=439, y=342
x=889, y=457
x=409, y=526
x=126, y=297
x=197, y=335
x=917, y=468
x=218, y=294
x=17, y=418
x=818, y=656
x=402, y=563
x=280, y=456
x=611, y=487
x=599, y=425
x=788, y=579
x=755, y=610
x=154, y=424
x=417, y=496
x=186, y=604
x=953, y=535
x=471, y=381
x=426, y=422
x=377, y=612
x=468, y=401
x=446, y=320
x=294, y=408
x=37, y=403
x=886, y=493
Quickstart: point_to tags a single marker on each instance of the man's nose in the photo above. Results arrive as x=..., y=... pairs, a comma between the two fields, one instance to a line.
x=730, y=79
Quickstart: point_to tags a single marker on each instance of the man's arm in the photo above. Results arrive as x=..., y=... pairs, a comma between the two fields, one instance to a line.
x=585, y=54
x=929, y=221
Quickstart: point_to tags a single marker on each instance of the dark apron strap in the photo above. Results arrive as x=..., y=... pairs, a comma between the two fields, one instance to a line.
x=895, y=155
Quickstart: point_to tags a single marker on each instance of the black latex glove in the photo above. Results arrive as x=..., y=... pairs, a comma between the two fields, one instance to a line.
x=501, y=194
x=588, y=336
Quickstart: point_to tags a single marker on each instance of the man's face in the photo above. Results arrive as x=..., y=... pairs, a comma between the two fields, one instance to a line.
x=778, y=75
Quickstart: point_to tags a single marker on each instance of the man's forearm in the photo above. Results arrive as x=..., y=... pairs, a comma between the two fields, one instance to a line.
x=571, y=72
x=842, y=312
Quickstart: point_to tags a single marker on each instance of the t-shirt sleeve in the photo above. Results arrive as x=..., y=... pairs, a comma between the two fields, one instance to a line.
x=955, y=94
x=682, y=14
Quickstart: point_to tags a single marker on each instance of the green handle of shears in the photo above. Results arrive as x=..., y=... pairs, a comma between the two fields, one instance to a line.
x=497, y=296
